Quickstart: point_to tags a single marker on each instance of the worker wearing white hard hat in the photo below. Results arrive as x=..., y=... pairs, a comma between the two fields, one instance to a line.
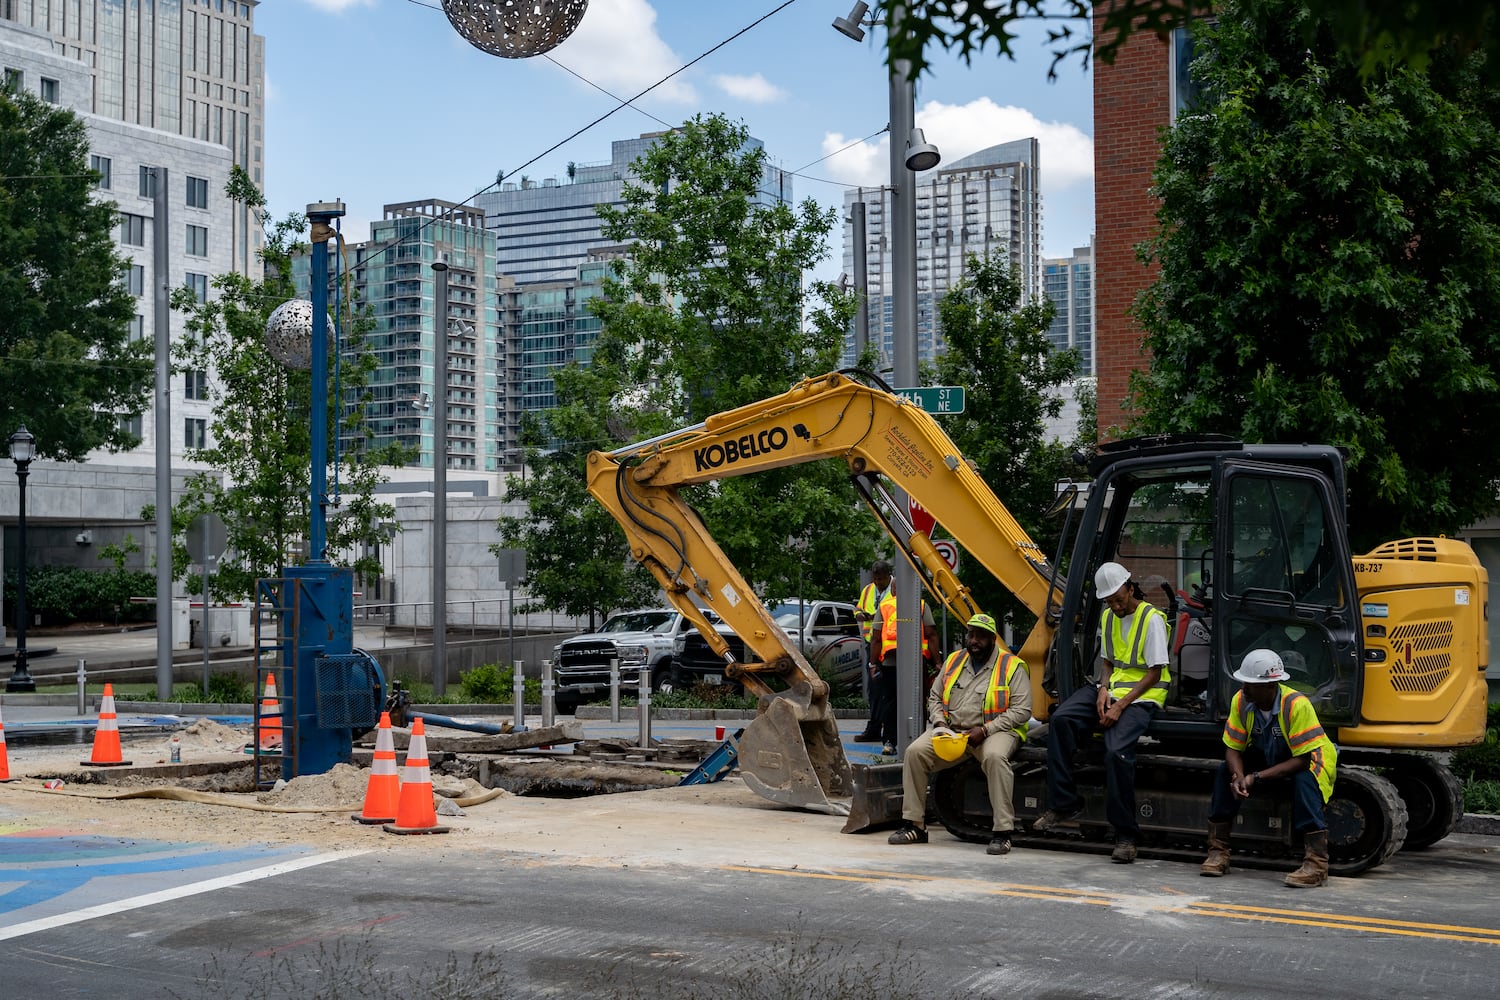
x=1274, y=746
x=978, y=707
x=1132, y=686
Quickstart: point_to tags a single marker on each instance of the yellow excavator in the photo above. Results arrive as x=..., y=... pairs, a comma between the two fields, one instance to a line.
x=1244, y=546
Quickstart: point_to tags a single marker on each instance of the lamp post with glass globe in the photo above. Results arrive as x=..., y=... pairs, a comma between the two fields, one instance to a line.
x=22, y=451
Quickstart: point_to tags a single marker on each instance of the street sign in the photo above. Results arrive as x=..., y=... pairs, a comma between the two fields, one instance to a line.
x=935, y=398
x=206, y=538
x=920, y=519
x=948, y=549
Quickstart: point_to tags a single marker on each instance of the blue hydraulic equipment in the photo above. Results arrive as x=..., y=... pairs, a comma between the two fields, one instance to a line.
x=717, y=764
x=329, y=691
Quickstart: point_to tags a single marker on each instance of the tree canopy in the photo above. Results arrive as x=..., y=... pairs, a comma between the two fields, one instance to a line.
x=1374, y=34
x=1329, y=255
x=706, y=313
x=71, y=370
x=997, y=348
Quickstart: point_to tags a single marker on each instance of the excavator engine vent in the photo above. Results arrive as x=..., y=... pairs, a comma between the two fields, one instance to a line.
x=1423, y=656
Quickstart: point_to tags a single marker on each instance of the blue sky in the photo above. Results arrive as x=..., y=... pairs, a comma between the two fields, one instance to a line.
x=382, y=101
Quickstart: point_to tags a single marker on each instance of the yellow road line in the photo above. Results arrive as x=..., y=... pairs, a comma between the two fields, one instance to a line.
x=1202, y=908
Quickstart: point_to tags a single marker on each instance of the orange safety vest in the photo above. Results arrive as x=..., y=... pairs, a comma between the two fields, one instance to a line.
x=997, y=696
x=888, y=626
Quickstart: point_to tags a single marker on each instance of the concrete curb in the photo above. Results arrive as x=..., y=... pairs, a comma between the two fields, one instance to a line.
x=1479, y=824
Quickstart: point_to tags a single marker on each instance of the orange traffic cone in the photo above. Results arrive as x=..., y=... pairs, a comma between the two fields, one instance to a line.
x=416, y=813
x=4, y=757
x=107, y=734
x=383, y=793
x=270, y=717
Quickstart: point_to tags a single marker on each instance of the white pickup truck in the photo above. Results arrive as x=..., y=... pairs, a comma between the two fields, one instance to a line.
x=679, y=657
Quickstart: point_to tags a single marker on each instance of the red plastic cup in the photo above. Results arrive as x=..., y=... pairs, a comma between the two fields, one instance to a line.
x=719, y=733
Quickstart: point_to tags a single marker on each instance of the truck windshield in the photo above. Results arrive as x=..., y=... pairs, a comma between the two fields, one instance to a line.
x=637, y=621
x=791, y=614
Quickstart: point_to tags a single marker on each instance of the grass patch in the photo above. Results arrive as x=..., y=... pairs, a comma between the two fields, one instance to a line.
x=1482, y=796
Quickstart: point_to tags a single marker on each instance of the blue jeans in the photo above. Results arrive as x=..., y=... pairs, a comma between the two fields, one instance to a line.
x=1076, y=718
x=1307, y=797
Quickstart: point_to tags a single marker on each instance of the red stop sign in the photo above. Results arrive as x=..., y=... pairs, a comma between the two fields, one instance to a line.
x=920, y=519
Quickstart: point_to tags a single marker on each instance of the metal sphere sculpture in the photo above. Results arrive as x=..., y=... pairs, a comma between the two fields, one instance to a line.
x=289, y=334
x=515, y=29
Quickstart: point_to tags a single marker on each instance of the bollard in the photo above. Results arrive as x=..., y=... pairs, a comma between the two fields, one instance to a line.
x=643, y=699
x=518, y=689
x=83, y=680
x=614, y=689
x=549, y=695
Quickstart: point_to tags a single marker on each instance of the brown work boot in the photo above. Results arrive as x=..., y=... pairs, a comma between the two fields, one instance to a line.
x=1314, y=870
x=1217, y=862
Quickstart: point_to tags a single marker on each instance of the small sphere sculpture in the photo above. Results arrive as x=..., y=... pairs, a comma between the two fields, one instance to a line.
x=515, y=29
x=289, y=334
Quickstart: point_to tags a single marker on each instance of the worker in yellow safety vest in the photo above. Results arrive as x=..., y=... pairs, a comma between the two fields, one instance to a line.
x=979, y=708
x=865, y=610
x=1132, y=687
x=886, y=642
x=1274, y=746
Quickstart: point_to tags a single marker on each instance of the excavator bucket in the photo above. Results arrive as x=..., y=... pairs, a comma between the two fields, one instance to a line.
x=791, y=753
x=877, y=797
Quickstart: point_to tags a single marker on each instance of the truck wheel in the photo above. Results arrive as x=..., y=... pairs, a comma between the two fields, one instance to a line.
x=661, y=680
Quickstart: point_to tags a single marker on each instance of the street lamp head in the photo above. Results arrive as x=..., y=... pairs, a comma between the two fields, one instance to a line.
x=22, y=447
x=422, y=403
x=921, y=154
x=515, y=30
x=850, y=25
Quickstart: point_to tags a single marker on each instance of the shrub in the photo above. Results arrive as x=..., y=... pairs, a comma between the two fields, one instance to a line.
x=228, y=689
x=1482, y=797
x=493, y=684
x=1478, y=763
x=61, y=595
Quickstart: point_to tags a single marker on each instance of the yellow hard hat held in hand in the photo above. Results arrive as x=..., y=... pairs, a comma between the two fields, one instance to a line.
x=948, y=744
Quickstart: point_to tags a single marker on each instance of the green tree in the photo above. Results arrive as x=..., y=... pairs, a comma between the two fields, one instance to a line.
x=1375, y=34
x=707, y=314
x=576, y=561
x=70, y=369
x=260, y=444
x=1329, y=256
x=997, y=348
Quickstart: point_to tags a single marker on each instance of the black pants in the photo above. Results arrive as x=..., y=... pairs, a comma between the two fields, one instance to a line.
x=887, y=699
x=1076, y=718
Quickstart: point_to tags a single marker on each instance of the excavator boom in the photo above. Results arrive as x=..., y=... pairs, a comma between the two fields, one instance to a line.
x=791, y=753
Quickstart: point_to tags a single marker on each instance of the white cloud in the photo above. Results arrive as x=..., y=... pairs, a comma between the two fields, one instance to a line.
x=958, y=130
x=339, y=6
x=755, y=89
x=617, y=47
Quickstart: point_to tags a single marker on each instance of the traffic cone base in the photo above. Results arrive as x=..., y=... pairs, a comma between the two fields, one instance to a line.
x=4, y=756
x=106, y=734
x=415, y=810
x=383, y=793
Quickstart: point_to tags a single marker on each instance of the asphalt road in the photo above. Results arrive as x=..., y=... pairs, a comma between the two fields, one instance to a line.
x=154, y=918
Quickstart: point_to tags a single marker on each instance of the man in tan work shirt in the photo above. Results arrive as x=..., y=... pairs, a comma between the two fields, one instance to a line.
x=983, y=694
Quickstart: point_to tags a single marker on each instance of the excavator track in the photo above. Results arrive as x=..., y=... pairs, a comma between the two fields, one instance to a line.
x=1433, y=795
x=1366, y=816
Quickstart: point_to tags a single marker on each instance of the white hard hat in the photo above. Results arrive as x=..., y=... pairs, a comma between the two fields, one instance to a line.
x=1109, y=578
x=1261, y=666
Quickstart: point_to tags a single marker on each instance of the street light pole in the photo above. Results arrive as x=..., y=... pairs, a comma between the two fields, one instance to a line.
x=22, y=451
x=440, y=479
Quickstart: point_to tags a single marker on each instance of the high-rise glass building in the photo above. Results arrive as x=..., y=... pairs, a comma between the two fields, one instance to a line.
x=194, y=68
x=1069, y=283
x=550, y=240
x=986, y=203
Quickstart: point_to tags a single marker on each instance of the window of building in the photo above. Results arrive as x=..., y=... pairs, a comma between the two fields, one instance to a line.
x=195, y=384
x=132, y=229
x=50, y=91
x=148, y=182
x=13, y=79
x=130, y=425
x=195, y=433
x=197, y=240
x=197, y=192
x=101, y=166
x=135, y=279
x=137, y=328
x=199, y=285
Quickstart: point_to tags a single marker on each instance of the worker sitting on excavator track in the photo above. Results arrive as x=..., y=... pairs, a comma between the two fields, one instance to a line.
x=1132, y=688
x=1273, y=738
x=979, y=707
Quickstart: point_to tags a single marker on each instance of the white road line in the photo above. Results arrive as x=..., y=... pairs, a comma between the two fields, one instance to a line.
x=167, y=895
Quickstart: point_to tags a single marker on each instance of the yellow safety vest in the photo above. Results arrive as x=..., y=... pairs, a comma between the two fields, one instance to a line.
x=1125, y=651
x=869, y=605
x=997, y=695
x=1299, y=727
x=888, y=626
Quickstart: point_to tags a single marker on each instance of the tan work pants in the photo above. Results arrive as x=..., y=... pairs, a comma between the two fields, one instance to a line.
x=994, y=754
